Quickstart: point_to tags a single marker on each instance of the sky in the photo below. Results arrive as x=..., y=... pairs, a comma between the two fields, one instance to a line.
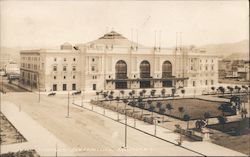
x=47, y=24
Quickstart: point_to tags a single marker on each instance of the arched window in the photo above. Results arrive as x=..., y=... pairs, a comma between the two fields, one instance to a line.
x=121, y=70
x=145, y=69
x=166, y=69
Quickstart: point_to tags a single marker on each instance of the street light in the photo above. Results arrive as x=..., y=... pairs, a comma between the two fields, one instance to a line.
x=68, y=107
x=125, y=101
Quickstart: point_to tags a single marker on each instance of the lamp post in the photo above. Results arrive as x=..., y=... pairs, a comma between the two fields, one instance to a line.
x=68, y=107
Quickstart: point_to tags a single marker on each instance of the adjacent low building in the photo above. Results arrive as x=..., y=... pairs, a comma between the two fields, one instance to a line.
x=114, y=62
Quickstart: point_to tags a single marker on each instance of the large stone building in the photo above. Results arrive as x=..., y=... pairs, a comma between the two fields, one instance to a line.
x=114, y=62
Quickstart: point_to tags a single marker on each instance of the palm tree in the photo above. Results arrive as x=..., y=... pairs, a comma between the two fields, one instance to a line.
x=163, y=92
x=122, y=93
x=237, y=88
x=222, y=120
x=186, y=118
x=169, y=107
x=207, y=116
x=181, y=110
x=183, y=92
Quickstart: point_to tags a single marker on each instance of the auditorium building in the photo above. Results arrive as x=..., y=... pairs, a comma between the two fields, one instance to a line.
x=113, y=62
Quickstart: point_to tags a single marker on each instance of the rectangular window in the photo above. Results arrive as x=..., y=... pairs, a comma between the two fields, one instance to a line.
x=212, y=67
x=74, y=76
x=94, y=86
x=74, y=68
x=54, y=68
x=206, y=82
x=64, y=77
x=55, y=59
x=93, y=68
x=206, y=67
x=54, y=87
x=54, y=77
x=65, y=59
x=74, y=59
x=73, y=86
x=64, y=87
x=64, y=68
x=191, y=67
x=212, y=82
x=193, y=83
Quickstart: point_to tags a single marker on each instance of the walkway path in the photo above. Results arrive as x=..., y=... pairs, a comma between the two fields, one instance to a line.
x=204, y=148
x=38, y=137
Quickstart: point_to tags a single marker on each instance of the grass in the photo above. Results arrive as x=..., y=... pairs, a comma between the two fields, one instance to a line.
x=195, y=108
x=9, y=134
x=238, y=142
x=24, y=153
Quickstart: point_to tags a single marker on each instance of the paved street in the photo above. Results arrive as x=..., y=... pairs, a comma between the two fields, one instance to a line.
x=85, y=132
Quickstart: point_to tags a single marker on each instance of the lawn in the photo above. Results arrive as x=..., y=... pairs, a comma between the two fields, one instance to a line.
x=195, y=108
x=8, y=132
x=230, y=139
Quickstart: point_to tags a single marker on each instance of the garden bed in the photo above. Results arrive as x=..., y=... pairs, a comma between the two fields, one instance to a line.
x=24, y=153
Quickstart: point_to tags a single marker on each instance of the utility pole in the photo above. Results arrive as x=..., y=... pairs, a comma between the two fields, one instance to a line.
x=39, y=88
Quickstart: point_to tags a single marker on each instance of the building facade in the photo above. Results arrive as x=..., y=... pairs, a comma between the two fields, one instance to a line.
x=114, y=62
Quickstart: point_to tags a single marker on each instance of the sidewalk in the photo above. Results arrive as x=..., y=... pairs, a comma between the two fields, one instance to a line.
x=40, y=139
x=203, y=148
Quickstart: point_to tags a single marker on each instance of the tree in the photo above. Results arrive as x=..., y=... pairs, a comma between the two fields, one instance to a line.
x=183, y=92
x=169, y=107
x=243, y=113
x=186, y=118
x=213, y=88
x=151, y=109
x=130, y=94
x=181, y=110
x=149, y=102
x=173, y=92
x=110, y=98
x=105, y=95
x=207, y=116
x=158, y=104
x=221, y=89
x=230, y=89
x=122, y=93
x=117, y=99
x=163, y=92
x=144, y=92
x=152, y=93
x=162, y=111
x=97, y=95
x=222, y=120
x=133, y=92
x=237, y=88
x=142, y=105
x=111, y=92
